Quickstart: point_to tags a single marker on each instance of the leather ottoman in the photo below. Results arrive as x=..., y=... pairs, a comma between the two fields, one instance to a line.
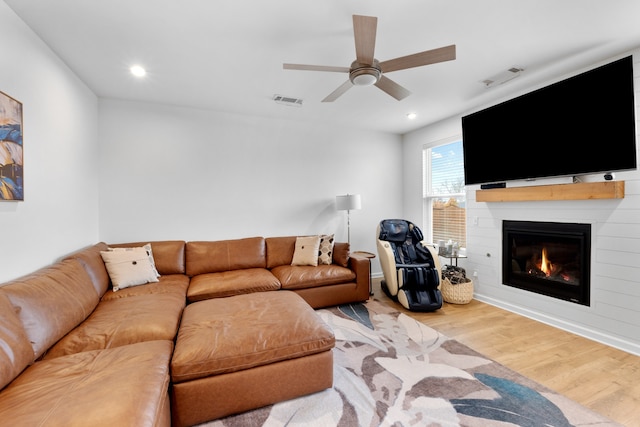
x=247, y=351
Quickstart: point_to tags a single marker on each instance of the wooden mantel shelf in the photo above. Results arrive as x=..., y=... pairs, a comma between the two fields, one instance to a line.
x=575, y=191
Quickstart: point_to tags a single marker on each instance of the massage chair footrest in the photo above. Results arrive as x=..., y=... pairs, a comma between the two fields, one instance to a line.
x=424, y=300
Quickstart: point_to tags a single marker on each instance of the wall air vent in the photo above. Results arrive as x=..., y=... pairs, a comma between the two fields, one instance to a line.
x=285, y=100
x=503, y=77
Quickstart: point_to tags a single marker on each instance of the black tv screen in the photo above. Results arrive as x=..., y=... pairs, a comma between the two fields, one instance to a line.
x=582, y=125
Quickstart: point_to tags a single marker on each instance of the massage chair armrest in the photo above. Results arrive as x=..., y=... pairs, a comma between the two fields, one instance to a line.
x=426, y=265
x=388, y=264
x=435, y=256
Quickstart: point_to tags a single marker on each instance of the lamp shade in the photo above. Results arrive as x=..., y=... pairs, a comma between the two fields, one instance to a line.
x=348, y=202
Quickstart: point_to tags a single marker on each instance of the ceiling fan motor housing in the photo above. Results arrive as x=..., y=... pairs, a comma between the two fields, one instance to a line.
x=365, y=74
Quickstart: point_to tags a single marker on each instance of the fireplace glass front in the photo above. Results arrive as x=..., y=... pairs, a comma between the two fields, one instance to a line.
x=548, y=258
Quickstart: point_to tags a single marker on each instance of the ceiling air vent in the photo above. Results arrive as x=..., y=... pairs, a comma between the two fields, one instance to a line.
x=503, y=77
x=285, y=100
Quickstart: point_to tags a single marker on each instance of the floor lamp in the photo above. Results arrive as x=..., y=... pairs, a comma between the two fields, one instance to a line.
x=348, y=202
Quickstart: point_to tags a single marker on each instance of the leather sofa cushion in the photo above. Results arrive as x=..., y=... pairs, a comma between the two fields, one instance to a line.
x=169, y=283
x=280, y=250
x=94, y=265
x=52, y=301
x=229, y=283
x=300, y=277
x=124, y=321
x=341, y=253
x=15, y=349
x=124, y=386
x=225, y=255
x=168, y=255
x=224, y=335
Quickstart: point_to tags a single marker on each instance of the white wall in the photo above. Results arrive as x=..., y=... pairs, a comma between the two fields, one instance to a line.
x=614, y=315
x=169, y=172
x=59, y=213
x=180, y=173
x=161, y=172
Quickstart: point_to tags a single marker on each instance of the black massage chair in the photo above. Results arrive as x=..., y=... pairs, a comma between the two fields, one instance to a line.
x=411, y=269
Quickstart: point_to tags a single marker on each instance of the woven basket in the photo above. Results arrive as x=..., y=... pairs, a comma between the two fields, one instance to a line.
x=462, y=293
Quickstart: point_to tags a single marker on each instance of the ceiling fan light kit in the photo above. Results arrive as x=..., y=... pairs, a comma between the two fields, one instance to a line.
x=367, y=71
x=364, y=79
x=365, y=75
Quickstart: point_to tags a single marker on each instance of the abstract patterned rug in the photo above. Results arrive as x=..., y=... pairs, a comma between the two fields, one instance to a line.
x=390, y=370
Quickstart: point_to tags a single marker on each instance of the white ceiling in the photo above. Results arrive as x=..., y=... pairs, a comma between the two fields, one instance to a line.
x=228, y=54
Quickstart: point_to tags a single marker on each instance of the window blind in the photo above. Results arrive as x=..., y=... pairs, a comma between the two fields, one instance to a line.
x=444, y=195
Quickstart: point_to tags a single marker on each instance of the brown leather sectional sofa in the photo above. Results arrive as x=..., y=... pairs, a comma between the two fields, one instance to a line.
x=74, y=353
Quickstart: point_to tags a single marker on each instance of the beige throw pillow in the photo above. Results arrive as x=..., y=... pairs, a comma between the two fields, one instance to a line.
x=325, y=252
x=306, y=251
x=129, y=268
x=146, y=248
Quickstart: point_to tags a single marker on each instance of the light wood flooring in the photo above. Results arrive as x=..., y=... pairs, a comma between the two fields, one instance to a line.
x=600, y=377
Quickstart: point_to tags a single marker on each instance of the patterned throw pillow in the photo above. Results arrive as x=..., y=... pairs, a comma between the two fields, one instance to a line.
x=325, y=252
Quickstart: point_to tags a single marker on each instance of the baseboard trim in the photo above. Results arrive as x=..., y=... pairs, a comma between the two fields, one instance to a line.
x=576, y=329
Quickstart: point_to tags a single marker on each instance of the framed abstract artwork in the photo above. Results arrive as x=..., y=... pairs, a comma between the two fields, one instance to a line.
x=11, y=158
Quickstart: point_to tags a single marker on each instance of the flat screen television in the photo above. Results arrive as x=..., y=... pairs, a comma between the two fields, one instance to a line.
x=581, y=125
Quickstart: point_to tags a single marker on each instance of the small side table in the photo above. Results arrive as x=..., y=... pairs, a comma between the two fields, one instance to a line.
x=452, y=257
x=370, y=256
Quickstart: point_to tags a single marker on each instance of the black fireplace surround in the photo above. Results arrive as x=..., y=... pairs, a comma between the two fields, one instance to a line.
x=549, y=258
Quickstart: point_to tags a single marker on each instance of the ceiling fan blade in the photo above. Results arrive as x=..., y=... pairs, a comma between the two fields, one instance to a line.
x=364, y=32
x=427, y=57
x=392, y=88
x=336, y=93
x=315, y=68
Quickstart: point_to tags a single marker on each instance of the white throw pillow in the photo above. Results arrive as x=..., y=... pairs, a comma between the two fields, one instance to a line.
x=325, y=252
x=306, y=251
x=146, y=248
x=128, y=268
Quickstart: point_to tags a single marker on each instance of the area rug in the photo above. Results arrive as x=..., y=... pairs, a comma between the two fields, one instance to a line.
x=391, y=370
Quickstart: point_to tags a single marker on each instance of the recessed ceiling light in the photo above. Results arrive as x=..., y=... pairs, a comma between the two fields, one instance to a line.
x=411, y=116
x=138, y=71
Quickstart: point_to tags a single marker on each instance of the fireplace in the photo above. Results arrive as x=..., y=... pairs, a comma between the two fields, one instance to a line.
x=549, y=258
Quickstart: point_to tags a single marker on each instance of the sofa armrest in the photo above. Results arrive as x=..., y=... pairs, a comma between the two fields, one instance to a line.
x=361, y=265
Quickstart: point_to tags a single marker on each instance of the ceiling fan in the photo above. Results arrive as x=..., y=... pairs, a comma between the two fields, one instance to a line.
x=366, y=70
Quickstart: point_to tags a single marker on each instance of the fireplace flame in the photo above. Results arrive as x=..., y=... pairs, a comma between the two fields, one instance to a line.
x=545, y=265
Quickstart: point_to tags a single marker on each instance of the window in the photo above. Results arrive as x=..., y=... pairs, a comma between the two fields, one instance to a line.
x=444, y=200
